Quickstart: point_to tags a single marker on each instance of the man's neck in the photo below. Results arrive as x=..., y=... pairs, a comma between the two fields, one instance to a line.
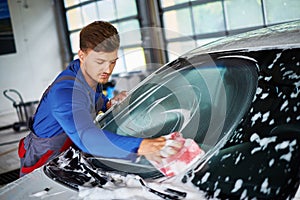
x=93, y=84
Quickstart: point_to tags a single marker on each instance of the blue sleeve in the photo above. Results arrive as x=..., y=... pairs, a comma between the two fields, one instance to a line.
x=72, y=109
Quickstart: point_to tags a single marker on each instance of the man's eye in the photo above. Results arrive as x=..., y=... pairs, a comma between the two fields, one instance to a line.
x=100, y=62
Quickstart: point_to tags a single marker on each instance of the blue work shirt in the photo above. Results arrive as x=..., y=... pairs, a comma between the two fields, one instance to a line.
x=70, y=105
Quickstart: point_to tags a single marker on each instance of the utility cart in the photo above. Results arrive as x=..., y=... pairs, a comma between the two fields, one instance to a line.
x=25, y=110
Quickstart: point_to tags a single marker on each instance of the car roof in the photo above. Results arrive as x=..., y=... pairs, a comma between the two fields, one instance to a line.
x=282, y=36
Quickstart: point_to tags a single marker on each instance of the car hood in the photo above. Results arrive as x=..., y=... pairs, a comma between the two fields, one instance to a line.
x=113, y=185
x=36, y=185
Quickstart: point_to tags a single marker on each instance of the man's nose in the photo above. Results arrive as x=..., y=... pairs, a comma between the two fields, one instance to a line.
x=107, y=67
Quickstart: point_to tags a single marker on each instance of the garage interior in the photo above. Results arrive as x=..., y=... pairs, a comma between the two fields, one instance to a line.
x=39, y=39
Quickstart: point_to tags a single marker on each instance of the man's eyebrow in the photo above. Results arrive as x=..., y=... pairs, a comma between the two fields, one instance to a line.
x=101, y=59
x=115, y=59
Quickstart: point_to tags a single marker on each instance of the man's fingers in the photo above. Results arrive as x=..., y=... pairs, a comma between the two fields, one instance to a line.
x=159, y=148
x=122, y=95
x=150, y=146
x=168, y=151
x=174, y=143
x=118, y=98
x=155, y=158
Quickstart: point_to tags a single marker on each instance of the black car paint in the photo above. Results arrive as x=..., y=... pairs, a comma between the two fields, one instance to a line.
x=274, y=114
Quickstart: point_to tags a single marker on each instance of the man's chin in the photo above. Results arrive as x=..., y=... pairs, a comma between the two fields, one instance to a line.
x=102, y=81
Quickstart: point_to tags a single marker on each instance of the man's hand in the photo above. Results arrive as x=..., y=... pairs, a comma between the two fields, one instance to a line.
x=176, y=156
x=116, y=99
x=158, y=148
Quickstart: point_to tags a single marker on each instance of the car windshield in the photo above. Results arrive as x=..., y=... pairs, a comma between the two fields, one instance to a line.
x=201, y=98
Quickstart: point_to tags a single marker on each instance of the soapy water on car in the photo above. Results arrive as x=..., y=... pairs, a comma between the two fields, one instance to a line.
x=115, y=185
x=173, y=167
x=135, y=188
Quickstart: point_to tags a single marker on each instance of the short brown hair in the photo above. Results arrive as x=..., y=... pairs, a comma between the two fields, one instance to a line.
x=99, y=36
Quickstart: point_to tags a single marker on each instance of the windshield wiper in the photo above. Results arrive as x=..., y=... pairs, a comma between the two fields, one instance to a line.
x=170, y=195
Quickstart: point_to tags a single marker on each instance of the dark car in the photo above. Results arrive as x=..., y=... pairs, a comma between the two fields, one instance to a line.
x=238, y=98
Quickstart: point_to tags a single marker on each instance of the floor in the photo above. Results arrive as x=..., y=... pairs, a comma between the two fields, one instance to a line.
x=9, y=139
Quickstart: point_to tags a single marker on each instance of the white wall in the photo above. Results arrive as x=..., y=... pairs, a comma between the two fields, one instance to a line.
x=37, y=60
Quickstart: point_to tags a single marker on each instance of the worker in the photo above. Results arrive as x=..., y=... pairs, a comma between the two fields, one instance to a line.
x=68, y=107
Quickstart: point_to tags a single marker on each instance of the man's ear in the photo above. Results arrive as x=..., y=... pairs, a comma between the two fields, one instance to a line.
x=81, y=55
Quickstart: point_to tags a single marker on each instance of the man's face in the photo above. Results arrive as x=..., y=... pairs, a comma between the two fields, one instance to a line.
x=97, y=66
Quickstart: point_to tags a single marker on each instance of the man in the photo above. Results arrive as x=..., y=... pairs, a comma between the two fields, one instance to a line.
x=67, y=109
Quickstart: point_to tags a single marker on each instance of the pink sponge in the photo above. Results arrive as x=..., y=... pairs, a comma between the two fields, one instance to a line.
x=183, y=159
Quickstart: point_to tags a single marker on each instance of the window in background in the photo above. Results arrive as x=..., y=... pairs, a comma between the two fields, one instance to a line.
x=178, y=23
x=175, y=49
x=125, y=8
x=74, y=38
x=107, y=11
x=205, y=21
x=89, y=13
x=69, y=3
x=185, y=23
x=208, y=18
x=120, y=65
x=130, y=33
x=137, y=55
x=130, y=60
x=167, y=3
x=74, y=18
x=282, y=10
x=243, y=13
